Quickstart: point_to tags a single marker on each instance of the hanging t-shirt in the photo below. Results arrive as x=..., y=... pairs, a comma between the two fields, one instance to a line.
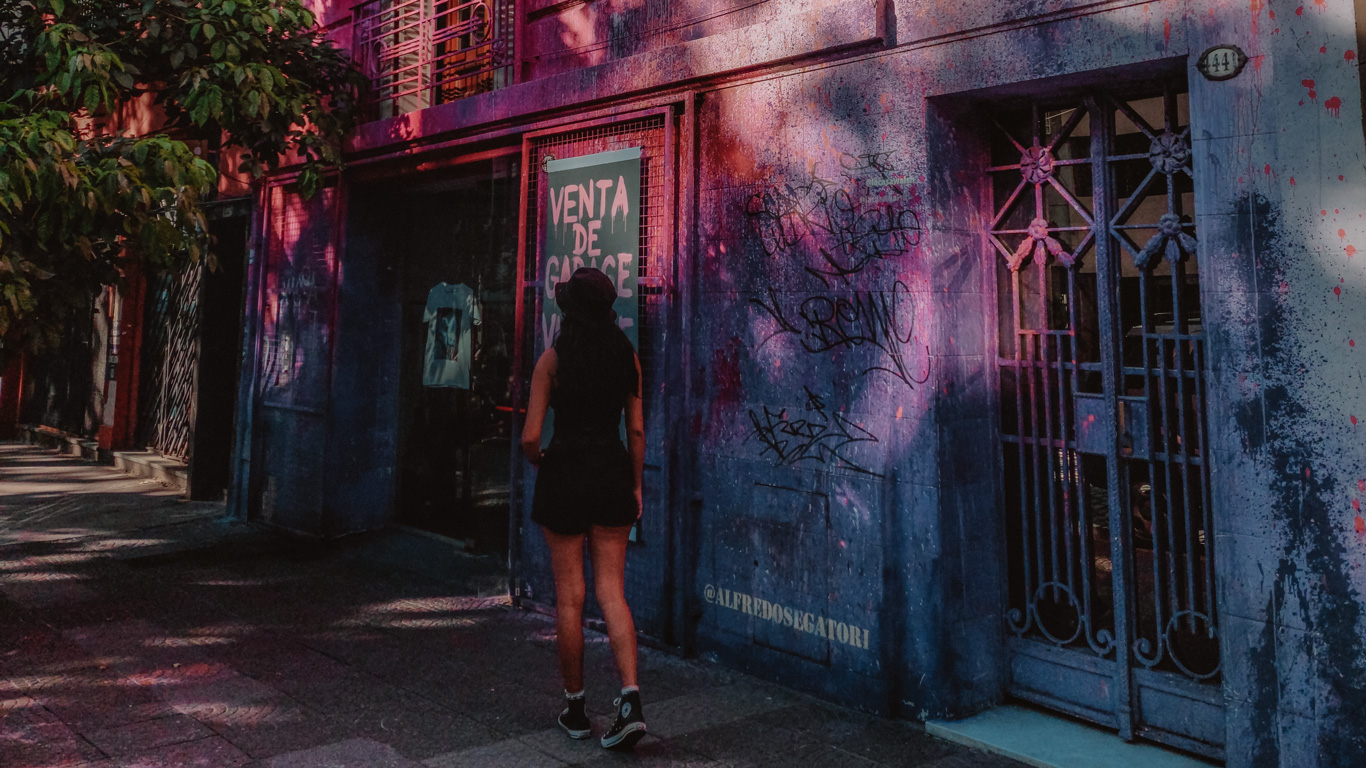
x=452, y=312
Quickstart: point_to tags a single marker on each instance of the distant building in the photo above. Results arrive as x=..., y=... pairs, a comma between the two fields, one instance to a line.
x=991, y=349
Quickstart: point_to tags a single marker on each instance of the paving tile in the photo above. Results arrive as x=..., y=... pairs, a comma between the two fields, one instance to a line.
x=351, y=753
x=421, y=730
x=213, y=752
x=712, y=707
x=31, y=735
x=503, y=754
x=276, y=727
x=147, y=735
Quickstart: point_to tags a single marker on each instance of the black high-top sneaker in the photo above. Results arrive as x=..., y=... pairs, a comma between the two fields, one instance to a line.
x=629, y=726
x=574, y=720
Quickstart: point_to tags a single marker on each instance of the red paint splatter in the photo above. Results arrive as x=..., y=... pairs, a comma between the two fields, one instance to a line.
x=1361, y=486
x=1322, y=4
x=1333, y=105
x=1292, y=181
x=1166, y=30
x=1356, y=505
x=1349, y=54
x=1267, y=169
x=1360, y=524
x=1306, y=471
x=1299, y=11
x=1354, y=421
x=1342, y=233
x=1351, y=342
x=1313, y=94
x=1337, y=290
x=1323, y=212
x=1272, y=14
x=1351, y=250
x=1323, y=49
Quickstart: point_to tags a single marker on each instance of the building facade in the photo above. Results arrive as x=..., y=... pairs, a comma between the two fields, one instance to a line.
x=990, y=349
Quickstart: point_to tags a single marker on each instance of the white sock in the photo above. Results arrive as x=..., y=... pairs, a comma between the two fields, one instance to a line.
x=571, y=696
x=625, y=689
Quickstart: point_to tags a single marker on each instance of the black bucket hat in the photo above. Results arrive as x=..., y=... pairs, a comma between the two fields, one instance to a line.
x=588, y=295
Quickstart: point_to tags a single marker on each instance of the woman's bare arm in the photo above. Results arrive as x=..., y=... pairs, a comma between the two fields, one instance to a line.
x=542, y=380
x=635, y=438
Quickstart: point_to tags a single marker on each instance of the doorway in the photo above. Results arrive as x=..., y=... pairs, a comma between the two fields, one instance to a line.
x=452, y=239
x=1101, y=365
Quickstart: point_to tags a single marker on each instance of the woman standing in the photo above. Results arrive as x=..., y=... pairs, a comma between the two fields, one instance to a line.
x=589, y=486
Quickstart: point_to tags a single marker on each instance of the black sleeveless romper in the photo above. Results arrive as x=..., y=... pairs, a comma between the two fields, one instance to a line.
x=585, y=474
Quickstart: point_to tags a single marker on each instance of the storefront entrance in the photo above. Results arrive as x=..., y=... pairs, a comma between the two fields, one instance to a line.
x=1103, y=435
x=450, y=238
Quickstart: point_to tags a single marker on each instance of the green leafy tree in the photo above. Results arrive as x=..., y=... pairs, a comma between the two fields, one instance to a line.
x=77, y=199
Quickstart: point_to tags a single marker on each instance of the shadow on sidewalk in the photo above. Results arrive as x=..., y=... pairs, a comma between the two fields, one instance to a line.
x=139, y=630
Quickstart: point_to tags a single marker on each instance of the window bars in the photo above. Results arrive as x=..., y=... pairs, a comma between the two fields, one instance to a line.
x=418, y=53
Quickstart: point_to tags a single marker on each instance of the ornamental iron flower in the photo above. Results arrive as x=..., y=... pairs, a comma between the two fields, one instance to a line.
x=1170, y=241
x=1041, y=244
x=1036, y=164
x=1168, y=153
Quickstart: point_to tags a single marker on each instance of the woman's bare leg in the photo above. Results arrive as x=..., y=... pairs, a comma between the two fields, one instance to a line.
x=609, y=581
x=566, y=560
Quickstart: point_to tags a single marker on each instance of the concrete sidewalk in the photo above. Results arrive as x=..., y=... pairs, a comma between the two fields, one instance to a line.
x=140, y=630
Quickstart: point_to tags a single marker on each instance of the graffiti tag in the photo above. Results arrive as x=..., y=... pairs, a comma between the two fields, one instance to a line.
x=822, y=438
x=848, y=232
x=882, y=319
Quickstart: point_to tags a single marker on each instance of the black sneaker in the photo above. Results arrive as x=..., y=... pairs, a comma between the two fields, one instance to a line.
x=629, y=726
x=574, y=721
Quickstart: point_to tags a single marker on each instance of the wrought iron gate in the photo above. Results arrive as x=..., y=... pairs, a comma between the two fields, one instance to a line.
x=1101, y=362
x=170, y=361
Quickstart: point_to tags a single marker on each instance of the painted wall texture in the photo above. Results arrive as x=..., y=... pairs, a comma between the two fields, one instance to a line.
x=838, y=510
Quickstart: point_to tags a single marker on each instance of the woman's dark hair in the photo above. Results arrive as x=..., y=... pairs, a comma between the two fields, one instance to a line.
x=593, y=353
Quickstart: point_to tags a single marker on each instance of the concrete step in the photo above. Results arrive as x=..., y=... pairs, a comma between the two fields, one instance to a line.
x=1047, y=741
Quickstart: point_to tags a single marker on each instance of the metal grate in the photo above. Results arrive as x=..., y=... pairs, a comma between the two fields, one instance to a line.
x=418, y=53
x=170, y=362
x=649, y=134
